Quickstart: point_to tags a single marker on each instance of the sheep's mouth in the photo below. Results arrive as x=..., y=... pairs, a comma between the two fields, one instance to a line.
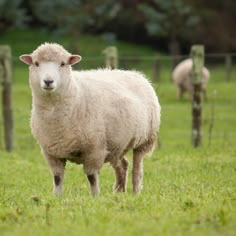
x=49, y=89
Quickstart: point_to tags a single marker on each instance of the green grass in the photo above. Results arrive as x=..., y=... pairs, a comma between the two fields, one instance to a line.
x=186, y=191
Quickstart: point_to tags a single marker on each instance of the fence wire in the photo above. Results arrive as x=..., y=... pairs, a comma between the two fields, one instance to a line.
x=159, y=67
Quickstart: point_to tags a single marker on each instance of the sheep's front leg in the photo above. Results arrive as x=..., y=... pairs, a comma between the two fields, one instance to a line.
x=57, y=168
x=92, y=165
x=94, y=183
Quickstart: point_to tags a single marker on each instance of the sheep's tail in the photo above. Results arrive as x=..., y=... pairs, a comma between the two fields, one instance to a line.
x=147, y=147
x=150, y=144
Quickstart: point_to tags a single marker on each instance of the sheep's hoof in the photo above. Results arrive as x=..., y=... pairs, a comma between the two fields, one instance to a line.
x=119, y=189
x=57, y=192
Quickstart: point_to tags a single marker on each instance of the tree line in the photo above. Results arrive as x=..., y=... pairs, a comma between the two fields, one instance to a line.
x=166, y=24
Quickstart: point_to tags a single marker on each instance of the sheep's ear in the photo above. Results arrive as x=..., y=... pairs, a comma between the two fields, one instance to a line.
x=27, y=59
x=74, y=59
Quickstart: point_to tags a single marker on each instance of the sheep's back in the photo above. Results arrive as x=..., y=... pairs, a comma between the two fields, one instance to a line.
x=181, y=74
x=117, y=83
x=181, y=71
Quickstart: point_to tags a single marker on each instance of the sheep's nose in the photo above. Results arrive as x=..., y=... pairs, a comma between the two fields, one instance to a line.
x=48, y=82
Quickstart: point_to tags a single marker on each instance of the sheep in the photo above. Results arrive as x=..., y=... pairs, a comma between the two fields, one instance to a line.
x=182, y=78
x=90, y=117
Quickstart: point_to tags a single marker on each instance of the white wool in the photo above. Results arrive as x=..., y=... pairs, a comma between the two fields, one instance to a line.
x=91, y=117
x=116, y=106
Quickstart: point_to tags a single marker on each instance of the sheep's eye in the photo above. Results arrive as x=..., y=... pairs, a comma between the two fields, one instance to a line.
x=36, y=64
x=62, y=64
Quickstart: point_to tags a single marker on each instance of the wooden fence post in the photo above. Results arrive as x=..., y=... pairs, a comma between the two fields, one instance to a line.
x=228, y=64
x=111, y=57
x=6, y=62
x=197, y=55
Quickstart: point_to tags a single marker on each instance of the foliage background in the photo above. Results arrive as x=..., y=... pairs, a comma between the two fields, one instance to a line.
x=167, y=25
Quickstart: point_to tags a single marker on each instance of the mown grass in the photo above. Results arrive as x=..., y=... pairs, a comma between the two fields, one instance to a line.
x=186, y=191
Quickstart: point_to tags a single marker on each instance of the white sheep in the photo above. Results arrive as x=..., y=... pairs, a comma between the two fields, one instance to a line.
x=90, y=117
x=182, y=78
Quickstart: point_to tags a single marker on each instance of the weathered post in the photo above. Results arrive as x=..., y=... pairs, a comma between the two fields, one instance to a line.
x=228, y=64
x=156, y=68
x=111, y=57
x=6, y=62
x=197, y=55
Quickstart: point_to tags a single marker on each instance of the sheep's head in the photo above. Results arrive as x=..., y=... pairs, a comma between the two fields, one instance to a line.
x=50, y=66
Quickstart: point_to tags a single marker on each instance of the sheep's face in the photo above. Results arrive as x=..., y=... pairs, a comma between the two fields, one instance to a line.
x=47, y=77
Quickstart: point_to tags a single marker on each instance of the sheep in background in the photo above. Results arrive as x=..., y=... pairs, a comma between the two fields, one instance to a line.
x=182, y=78
x=90, y=117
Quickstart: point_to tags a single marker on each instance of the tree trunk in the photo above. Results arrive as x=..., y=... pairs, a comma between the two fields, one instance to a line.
x=174, y=49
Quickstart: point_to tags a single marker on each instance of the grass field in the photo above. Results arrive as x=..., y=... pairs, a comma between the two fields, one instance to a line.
x=186, y=191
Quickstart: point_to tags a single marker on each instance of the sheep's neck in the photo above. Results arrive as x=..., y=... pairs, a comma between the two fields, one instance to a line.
x=57, y=104
x=51, y=101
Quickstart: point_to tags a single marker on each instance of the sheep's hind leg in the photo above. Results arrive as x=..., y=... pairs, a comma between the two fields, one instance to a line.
x=121, y=175
x=204, y=93
x=137, y=171
x=180, y=92
x=57, y=168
